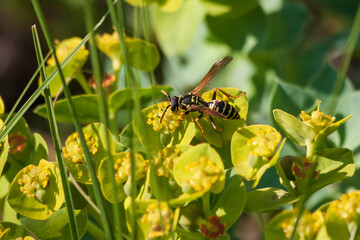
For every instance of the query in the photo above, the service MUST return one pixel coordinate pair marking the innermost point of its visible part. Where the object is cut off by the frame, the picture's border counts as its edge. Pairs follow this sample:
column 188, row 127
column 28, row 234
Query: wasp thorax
column 174, row 104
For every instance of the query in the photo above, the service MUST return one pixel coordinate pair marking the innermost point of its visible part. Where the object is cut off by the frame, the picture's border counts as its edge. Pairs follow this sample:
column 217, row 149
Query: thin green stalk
column 284, row 179
column 85, row 196
column 145, row 17
column 353, row 232
column 89, row 163
column 46, row 82
column 206, row 204
column 345, row 61
column 57, row 142
column 103, row 107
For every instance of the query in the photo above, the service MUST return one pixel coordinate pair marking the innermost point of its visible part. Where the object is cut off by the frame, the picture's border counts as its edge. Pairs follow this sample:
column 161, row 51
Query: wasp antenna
column 166, row 94
column 162, row 116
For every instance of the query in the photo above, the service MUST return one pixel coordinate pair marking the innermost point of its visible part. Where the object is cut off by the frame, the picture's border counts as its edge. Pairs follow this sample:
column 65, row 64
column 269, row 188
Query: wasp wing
column 208, row 111
column 214, row 70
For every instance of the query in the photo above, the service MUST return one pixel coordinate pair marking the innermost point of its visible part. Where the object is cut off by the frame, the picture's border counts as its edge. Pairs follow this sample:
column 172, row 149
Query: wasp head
column 174, row 104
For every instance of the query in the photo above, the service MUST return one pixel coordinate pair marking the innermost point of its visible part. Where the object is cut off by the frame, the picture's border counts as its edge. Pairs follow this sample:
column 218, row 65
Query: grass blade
column 56, row 140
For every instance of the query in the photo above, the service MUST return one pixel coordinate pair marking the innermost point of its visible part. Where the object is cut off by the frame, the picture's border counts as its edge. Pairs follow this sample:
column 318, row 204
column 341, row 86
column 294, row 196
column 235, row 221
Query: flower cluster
column 308, row 226
column 348, row 207
column 205, row 174
column 159, row 217
column 170, row 121
column 34, row 178
column 123, row 167
column 164, row 162
column 212, row 228
column 73, row 149
column 265, row 142
column 64, row 48
column 17, row 142
column 317, row 119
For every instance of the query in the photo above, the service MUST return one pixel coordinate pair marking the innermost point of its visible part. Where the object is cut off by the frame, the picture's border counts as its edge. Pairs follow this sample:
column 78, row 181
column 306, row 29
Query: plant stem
column 284, row 179
column 345, row 61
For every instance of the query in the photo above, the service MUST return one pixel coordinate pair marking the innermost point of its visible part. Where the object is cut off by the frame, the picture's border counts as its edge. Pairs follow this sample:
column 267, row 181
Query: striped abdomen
column 224, row 108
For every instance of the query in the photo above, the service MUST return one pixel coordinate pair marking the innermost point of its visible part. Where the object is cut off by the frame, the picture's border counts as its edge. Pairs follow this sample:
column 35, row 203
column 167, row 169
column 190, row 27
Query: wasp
column 192, row 101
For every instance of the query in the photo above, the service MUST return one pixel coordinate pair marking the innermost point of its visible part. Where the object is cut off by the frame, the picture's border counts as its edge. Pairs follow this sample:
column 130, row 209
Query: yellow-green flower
column 159, row 217
column 317, row 120
column 170, row 121
column 73, row 150
column 348, row 207
column 123, row 167
column 64, row 48
column 206, row 173
column 34, row 178
column 164, row 162
column 308, row 226
column 109, row 44
column 265, row 142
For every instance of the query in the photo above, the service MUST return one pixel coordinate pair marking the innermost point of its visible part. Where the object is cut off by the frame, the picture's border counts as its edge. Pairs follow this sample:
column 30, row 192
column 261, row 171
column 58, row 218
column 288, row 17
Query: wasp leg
column 218, row 129
column 202, row 128
column 225, row 93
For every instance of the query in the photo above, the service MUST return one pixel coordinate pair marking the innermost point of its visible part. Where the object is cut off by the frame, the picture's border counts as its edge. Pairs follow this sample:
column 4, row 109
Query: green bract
column 251, row 161
column 9, row 230
column 38, row 200
column 122, row 174
column 95, row 136
column 200, row 169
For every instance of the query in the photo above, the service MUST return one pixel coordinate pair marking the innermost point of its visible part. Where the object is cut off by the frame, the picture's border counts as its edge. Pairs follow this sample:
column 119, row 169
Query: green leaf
column 235, row 31
column 333, row 164
column 139, row 3
column 267, row 199
column 330, row 129
column 350, row 134
column 193, row 156
column 21, row 142
column 290, row 98
column 175, row 31
column 223, row 203
column 129, row 139
column 9, row 230
column 142, row 55
column 294, row 128
column 57, row 226
column 229, row 8
column 123, row 98
column 86, row 107
column 40, row 148
column 97, row 132
column 30, row 206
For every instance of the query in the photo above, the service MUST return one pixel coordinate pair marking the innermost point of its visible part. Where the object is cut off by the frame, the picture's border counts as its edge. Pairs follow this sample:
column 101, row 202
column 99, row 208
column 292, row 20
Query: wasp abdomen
column 224, row 108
